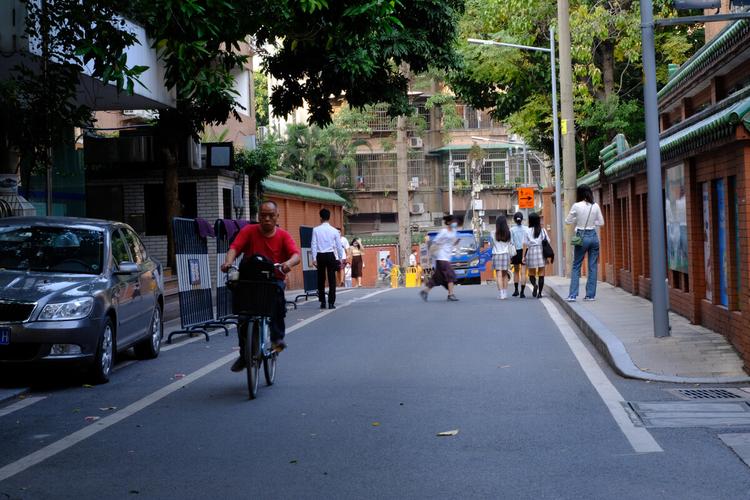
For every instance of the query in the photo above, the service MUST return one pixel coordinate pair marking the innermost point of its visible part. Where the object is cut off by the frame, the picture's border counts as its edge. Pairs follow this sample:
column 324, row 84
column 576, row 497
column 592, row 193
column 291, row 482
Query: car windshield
column 467, row 245
column 51, row 249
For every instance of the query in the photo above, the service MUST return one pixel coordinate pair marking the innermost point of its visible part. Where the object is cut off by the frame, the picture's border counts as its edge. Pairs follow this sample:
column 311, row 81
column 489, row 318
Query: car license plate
column 460, row 272
column 4, row 335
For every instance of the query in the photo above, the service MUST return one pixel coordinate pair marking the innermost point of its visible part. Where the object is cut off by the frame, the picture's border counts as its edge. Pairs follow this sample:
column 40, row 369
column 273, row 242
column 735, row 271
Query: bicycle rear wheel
column 252, row 349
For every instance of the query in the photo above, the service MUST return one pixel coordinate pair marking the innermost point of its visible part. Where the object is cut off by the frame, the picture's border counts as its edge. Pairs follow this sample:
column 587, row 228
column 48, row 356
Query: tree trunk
column 605, row 60
column 171, row 200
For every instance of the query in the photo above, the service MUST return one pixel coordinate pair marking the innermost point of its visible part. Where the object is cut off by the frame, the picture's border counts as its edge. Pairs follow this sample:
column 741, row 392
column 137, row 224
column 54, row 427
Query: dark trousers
column 327, row 267
column 278, row 324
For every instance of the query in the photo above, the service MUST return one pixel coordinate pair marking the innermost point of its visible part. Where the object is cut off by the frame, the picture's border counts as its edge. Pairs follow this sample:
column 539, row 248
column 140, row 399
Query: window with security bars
column 495, row 170
column 379, row 121
column 501, row 168
column 377, row 172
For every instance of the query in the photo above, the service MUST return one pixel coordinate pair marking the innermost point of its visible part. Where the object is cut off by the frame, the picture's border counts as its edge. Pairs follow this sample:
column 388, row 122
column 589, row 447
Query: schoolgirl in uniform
column 534, row 258
column 503, row 250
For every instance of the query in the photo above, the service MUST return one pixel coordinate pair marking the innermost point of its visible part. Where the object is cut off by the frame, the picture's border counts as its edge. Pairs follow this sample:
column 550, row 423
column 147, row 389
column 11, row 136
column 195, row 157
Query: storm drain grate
column 710, row 394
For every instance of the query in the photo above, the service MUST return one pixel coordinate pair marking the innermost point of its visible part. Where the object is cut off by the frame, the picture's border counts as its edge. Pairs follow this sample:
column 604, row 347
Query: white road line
column 63, row 444
column 640, row 439
column 23, row 403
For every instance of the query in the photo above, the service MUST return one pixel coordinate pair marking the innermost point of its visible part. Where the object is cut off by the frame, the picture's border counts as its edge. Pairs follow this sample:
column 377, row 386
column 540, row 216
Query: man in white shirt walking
column 326, row 249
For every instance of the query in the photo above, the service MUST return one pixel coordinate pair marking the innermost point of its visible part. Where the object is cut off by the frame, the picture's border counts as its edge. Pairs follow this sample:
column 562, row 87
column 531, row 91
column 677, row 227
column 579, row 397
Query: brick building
column 705, row 152
column 299, row 205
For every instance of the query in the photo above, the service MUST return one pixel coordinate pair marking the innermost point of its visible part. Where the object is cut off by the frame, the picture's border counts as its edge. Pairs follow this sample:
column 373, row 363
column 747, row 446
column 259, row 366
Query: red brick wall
column 626, row 263
column 295, row 212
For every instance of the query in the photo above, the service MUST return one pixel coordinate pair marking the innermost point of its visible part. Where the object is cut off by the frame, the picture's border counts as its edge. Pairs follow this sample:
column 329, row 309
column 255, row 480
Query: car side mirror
column 127, row 268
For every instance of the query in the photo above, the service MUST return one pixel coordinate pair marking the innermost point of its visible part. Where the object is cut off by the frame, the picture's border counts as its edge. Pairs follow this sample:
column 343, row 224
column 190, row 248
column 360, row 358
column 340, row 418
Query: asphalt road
column 360, row 398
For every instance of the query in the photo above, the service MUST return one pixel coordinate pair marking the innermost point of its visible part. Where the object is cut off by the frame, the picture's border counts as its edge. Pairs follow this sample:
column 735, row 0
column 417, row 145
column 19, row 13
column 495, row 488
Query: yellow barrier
column 413, row 277
column 395, row 274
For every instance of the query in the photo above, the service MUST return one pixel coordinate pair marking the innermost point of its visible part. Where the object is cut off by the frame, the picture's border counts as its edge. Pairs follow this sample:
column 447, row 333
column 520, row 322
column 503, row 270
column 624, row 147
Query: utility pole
column 402, row 184
column 653, row 176
column 567, row 126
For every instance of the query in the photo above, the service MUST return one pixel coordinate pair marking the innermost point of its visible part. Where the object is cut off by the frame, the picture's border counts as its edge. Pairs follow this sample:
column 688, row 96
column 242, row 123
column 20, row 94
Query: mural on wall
column 676, row 218
column 722, row 242
column 707, row 242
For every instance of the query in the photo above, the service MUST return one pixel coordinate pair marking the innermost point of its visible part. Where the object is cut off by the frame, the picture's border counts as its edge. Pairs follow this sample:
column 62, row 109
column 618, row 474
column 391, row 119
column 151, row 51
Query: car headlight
column 74, row 309
column 474, row 262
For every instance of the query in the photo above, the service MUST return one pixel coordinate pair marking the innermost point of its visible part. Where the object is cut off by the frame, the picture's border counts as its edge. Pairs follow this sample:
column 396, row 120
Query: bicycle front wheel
column 269, row 363
column 252, row 361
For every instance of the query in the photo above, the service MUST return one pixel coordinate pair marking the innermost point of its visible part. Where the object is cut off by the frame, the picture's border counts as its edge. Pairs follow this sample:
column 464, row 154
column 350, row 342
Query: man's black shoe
column 238, row 365
column 331, row 306
column 322, row 305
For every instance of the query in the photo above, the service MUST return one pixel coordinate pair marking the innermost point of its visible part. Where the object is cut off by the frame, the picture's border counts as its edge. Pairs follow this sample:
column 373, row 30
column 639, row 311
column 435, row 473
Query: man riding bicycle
column 275, row 244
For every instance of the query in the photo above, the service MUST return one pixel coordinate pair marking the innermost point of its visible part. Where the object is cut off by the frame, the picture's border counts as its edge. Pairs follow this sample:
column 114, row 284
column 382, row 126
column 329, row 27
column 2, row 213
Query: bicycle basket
column 254, row 298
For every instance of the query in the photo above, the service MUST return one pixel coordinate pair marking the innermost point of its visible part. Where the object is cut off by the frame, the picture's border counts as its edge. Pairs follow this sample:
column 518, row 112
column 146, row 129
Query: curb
column 615, row 353
column 8, row 394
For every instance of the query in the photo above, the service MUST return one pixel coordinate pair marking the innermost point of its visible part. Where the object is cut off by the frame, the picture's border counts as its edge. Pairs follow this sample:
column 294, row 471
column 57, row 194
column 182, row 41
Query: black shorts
column 517, row 258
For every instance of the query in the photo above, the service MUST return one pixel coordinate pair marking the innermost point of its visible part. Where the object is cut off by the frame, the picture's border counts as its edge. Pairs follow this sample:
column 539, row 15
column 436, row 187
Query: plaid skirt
column 534, row 257
column 500, row 261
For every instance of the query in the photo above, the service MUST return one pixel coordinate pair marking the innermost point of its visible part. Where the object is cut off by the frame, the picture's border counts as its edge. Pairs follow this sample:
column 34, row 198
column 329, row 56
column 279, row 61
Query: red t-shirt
column 278, row 248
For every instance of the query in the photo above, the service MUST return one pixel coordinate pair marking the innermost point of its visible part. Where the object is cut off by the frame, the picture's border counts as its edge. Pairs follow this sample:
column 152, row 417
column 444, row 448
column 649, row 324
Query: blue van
column 468, row 257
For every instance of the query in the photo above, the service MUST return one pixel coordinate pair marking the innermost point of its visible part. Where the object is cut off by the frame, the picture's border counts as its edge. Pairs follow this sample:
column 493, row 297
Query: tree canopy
column 607, row 69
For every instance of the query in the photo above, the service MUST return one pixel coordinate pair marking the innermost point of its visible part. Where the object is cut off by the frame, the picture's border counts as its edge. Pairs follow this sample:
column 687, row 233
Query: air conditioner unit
column 417, row 208
column 415, row 142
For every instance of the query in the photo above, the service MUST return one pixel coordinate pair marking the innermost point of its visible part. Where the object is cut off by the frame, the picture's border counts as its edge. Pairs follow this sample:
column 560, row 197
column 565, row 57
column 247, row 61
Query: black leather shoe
column 322, row 305
column 331, row 306
column 238, row 365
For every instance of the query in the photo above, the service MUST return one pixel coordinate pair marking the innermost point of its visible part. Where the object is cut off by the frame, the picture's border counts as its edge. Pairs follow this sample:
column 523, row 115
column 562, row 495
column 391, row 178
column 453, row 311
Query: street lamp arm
column 477, row 41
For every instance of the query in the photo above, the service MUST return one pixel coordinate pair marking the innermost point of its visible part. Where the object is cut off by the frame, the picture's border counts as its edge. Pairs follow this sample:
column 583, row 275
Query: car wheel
column 149, row 347
column 105, row 355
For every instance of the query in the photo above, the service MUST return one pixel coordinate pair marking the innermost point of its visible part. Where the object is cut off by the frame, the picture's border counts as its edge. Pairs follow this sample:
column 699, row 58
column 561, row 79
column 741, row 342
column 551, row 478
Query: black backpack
column 256, row 268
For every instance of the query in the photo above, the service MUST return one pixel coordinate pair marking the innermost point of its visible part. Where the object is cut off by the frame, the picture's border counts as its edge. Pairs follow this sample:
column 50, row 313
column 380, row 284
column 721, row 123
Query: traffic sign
column 525, row 197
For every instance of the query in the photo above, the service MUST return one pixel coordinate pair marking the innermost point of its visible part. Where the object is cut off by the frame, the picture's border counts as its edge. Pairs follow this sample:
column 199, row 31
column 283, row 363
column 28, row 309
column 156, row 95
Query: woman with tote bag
column 587, row 216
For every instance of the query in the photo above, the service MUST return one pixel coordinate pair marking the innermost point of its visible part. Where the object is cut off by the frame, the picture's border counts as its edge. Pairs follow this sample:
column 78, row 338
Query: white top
column 412, row 260
column 579, row 212
column 325, row 238
column 518, row 235
column 445, row 241
column 501, row 247
column 345, row 246
column 533, row 242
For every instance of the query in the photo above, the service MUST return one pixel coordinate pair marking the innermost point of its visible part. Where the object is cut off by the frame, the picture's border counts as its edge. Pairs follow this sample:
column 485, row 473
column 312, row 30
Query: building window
column 155, row 206
column 105, row 202
column 226, row 195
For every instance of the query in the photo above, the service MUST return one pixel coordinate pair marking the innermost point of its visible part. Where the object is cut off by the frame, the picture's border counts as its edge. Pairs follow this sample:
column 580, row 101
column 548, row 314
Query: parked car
column 77, row 290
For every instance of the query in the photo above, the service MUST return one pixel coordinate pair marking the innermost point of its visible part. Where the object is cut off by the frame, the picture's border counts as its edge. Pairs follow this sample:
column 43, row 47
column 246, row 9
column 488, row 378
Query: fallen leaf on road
column 108, row 408
column 76, row 410
column 179, row 375
column 401, row 404
column 376, row 424
column 505, row 366
column 448, row 433
column 87, row 386
column 292, row 461
column 91, row 419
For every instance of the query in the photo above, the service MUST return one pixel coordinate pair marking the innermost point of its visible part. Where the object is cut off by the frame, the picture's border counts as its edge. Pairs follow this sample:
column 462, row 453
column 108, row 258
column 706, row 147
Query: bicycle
column 254, row 301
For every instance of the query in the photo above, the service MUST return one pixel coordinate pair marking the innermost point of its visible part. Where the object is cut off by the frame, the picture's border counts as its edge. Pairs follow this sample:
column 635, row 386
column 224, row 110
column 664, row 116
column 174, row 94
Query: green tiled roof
column 589, row 179
column 279, row 185
column 704, row 128
column 707, row 54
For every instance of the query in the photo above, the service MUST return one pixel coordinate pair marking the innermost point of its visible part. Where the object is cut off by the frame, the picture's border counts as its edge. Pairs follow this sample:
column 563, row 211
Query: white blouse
column 502, row 247
column 579, row 212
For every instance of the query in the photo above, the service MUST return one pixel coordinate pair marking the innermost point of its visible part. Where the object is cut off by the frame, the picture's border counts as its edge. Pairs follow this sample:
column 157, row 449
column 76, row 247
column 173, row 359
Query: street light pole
column 657, row 247
column 555, row 134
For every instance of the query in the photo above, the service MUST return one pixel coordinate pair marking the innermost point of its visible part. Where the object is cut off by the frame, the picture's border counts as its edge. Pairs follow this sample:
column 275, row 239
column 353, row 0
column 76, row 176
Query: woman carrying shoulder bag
column 587, row 216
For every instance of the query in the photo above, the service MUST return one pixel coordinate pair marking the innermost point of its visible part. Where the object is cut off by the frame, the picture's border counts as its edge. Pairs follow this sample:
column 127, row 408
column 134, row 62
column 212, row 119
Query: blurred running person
column 518, row 236
column 443, row 274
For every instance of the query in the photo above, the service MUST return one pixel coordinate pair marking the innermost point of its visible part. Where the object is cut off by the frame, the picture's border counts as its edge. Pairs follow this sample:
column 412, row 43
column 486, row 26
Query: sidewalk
column 620, row 325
